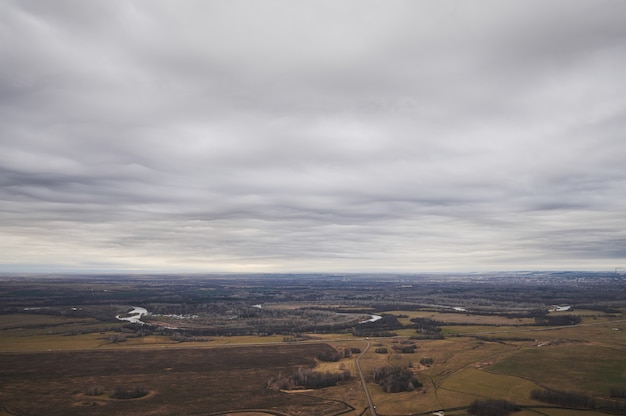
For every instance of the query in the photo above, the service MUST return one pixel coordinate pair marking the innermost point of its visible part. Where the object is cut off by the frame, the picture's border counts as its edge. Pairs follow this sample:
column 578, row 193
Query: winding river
column 134, row 316
column 373, row 318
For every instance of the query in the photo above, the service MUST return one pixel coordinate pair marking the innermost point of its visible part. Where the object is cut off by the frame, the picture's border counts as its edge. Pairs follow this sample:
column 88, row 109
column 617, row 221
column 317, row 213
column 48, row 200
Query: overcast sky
column 305, row 136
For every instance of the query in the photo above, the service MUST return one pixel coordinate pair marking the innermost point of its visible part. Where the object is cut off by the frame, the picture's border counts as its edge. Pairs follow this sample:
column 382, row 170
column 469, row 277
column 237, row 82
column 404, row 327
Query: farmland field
column 212, row 345
column 193, row 381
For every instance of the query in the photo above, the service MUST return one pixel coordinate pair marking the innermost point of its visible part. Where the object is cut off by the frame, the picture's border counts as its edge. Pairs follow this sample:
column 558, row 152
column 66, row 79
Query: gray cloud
column 271, row 136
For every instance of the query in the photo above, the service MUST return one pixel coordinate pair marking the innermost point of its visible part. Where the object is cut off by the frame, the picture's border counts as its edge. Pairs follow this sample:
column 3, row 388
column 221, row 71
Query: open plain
column 259, row 345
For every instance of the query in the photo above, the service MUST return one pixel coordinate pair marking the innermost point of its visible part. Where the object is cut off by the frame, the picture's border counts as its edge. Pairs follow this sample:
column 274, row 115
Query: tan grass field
column 577, row 367
column 582, row 358
column 482, row 384
column 50, row 342
column 456, row 363
column 22, row 320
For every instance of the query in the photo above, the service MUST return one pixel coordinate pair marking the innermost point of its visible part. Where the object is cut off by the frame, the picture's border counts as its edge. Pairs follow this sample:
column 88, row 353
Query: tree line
column 405, row 347
column 490, row 407
column 576, row 400
column 569, row 399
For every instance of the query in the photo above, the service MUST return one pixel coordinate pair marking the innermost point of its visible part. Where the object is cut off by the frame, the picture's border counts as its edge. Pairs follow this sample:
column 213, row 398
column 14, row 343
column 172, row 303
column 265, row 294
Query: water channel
column 135, row 315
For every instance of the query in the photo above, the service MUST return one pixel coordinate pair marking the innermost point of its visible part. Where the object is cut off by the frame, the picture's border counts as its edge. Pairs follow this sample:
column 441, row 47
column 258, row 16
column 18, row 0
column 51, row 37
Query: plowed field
column 178, row 381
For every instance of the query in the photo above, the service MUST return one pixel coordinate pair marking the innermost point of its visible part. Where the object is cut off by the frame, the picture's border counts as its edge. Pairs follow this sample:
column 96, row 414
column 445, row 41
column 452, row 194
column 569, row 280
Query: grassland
column 506, row 362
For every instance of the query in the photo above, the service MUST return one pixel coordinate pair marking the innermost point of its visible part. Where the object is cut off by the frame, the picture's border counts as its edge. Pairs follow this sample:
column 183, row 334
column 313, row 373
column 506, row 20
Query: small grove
column 393, row 379
column 305, row 378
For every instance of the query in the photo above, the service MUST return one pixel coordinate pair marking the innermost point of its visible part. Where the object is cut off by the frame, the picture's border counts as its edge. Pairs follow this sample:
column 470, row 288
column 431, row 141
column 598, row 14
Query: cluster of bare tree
column 427, row 361
column 394, row 379
column 308, row 379
column 94, row 391
column 330, row 356
column 404, row 346
column 126, row 393
column 181, row 337
column 427, row 328
column 618, row 392
column 336, row 355
column 348, row 352
column 130, row 331
column 116, row 338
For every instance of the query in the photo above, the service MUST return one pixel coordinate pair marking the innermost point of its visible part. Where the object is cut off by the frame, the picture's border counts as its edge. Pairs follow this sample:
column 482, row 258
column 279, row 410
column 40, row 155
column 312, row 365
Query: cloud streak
column 270, row 136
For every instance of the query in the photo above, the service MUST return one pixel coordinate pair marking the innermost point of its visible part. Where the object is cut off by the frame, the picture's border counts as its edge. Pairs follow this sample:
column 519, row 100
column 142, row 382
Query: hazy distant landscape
column 529, row 342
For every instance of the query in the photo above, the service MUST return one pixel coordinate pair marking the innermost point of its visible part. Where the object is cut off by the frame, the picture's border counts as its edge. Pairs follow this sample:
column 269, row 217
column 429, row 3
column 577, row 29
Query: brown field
column 180, row 381
column 212, row 377
column 54, row 352
column 23, row 321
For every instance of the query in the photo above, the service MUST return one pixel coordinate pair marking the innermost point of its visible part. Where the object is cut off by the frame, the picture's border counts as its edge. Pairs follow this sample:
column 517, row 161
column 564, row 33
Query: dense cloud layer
column 318, row 136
